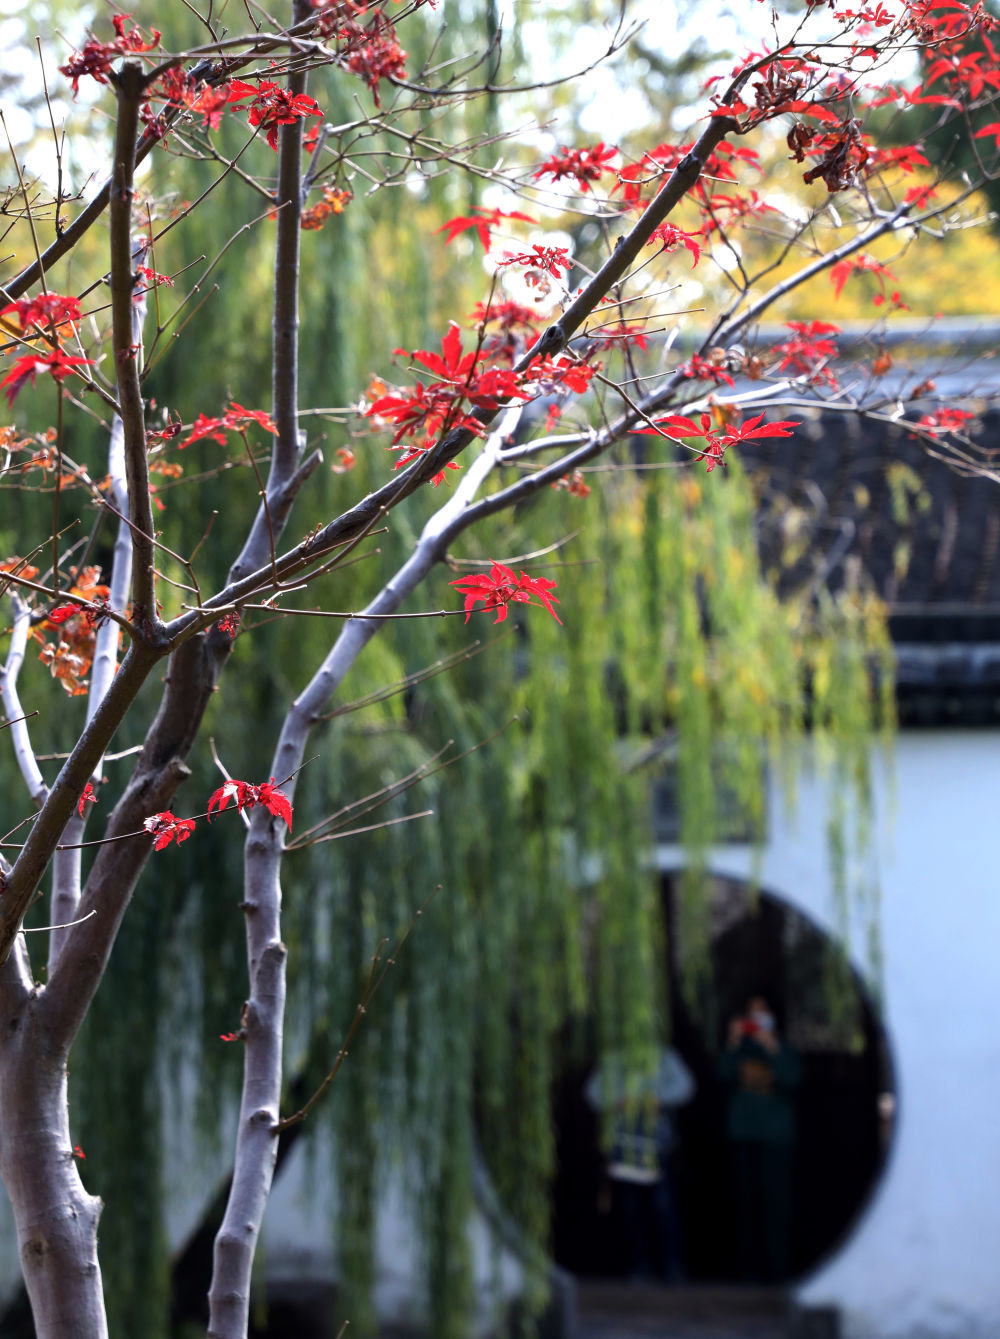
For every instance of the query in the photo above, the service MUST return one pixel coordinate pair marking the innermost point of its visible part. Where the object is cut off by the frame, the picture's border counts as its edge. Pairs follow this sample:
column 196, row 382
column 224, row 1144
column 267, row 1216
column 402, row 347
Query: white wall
column 298, row 1245
column 924, row 1259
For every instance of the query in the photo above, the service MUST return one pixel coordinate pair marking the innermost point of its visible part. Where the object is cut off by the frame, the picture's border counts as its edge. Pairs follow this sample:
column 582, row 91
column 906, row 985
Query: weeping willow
column 547, row 920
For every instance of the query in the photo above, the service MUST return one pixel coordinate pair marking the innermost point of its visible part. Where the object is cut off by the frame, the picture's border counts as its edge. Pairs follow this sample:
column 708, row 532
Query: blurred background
column 696, row 1039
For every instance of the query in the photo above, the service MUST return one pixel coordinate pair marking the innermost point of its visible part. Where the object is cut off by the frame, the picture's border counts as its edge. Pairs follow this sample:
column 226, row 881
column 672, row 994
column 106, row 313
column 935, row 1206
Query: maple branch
column 192, row 673
column 263, row 1021
column 108, row 635
column 372, row 984
column 67, row 789
column 209, row 72
column 130, row 85
column 264, row 1011
column 287, row 471
column 18, row 722
column 67, row 866
column 67, row 858
column 121, row 857
column 441, row 666
column 553, row 340
column 308, row 707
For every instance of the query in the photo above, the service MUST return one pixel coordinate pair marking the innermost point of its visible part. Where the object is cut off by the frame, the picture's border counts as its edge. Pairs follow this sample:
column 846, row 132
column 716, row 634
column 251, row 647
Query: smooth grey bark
column 67, row 860
column 56, row 1217
column 262, row 1028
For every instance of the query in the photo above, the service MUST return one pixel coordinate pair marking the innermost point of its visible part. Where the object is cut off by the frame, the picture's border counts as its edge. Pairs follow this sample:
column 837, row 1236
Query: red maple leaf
column 504, row 344
column 716, row 443
column 945, row 420
column 671, row 236
column 698, row 368
column 273, row 106
column 88, row 797
column 95, row 57
column 233, row 420
column 166, row 827
column 44, row 310
column 424, row 409
column 374, row 52
column 992, row 129
column 966, row 72
column 55, row 362
column 920, row 196
column 430, row 408
column 684, row 427
column 488, row 218
column 492, row 387
column 585, row 165
column 907, row 157
column 858, row 264
column 807, row 350
column 209, row 103
column 739, row 208
column 230, row 624
column 148, row 279
column 275, row 801
column 508, row 314
column 755, row 428
column 450, row 365
column 235, row 416
column 912, row 97
column 501, row 588
column 545, row 375
column 549, row 258
column 204, row 427
column 248, row 796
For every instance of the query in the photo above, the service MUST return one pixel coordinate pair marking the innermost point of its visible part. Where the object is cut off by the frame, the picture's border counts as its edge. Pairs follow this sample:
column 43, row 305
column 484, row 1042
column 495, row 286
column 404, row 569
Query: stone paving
column 624, row 1311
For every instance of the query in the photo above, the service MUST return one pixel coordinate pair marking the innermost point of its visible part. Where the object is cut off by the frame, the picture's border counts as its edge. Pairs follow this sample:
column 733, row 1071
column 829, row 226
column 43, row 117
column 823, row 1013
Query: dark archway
column 759, row 944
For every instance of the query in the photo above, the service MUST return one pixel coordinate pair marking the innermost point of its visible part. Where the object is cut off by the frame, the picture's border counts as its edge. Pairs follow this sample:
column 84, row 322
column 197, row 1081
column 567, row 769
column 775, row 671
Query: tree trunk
column 56, row 1218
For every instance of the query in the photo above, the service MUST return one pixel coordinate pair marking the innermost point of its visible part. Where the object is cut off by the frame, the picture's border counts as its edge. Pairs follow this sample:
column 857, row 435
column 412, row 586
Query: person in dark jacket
column 762, row 1073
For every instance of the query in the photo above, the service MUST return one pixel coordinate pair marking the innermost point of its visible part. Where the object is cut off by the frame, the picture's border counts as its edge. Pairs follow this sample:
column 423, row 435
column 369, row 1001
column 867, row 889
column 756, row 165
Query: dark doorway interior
column 759, row 945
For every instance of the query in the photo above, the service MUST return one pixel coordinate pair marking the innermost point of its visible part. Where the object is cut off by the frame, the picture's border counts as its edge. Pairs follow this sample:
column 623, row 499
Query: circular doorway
column 760, row 945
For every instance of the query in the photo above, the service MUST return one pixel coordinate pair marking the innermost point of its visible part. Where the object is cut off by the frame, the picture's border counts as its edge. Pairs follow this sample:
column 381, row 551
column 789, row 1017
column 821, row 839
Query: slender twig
column 65, row 925
column 227, row 775
column 375, row 979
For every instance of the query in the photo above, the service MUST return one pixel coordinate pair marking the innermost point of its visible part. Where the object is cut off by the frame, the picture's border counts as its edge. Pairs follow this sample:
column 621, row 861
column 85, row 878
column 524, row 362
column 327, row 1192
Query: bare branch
column 129, row 84
column 23, row 751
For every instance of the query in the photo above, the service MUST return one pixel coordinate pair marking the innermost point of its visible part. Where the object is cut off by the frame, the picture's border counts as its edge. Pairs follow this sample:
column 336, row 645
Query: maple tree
column 550, row 330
